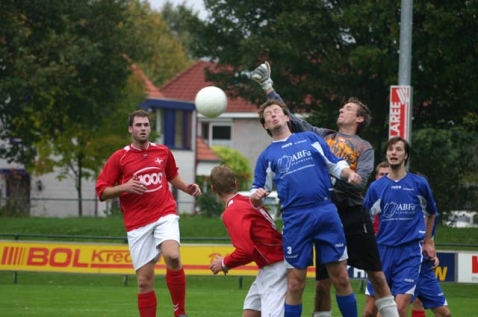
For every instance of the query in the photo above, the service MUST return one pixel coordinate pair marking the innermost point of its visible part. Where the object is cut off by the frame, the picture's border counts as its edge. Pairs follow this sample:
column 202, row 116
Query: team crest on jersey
column 158, row 160
column 286, row 161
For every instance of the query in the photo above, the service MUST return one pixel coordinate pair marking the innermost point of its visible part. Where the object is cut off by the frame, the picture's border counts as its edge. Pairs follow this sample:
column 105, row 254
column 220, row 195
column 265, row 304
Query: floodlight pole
column 405, row 56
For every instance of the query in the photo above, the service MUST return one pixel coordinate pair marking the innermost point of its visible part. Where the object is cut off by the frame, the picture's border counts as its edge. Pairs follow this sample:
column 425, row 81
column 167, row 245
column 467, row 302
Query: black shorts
column 361, row 243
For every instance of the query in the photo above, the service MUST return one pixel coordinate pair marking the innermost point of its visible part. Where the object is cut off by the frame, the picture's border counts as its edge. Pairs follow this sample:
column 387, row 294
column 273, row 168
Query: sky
column 196, row 5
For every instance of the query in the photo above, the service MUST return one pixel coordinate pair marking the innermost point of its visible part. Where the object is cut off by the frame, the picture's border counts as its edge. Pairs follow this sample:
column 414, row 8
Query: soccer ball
column 211, row 101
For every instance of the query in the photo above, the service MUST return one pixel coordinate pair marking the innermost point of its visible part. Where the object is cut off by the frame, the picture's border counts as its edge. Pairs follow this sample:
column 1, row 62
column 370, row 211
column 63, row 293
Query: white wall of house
column 60, row 198
column 249, row 138
column 247, row 135
column 50, row 197
column 186, row 162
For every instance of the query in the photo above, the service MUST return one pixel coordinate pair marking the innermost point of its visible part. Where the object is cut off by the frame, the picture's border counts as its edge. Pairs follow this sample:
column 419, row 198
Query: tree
column 322, row 52
column 63, row 65
column 179, row 18
column 208, row 202
column 439, row 147
column 166, row 50
column 66, row 84
column 237, row 162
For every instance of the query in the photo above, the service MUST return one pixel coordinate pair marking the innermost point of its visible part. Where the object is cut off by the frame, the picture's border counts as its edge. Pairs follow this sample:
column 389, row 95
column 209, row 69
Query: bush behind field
column 192, row 226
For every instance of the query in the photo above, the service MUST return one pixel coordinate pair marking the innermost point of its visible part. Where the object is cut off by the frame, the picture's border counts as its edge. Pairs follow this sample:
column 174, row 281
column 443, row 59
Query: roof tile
column 203, row 152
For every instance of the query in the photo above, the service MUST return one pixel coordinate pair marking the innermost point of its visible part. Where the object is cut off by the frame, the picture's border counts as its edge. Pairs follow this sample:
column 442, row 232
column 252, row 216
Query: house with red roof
column 238, row 127
column 190, row 135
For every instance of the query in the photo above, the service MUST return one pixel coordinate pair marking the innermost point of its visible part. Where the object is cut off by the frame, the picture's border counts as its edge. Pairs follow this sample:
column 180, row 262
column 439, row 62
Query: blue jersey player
column 300, row 165
column 407, row 211
column 429, row 294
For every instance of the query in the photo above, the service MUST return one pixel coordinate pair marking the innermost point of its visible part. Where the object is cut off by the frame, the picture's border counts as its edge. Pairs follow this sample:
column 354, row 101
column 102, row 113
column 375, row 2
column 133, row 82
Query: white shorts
column 143, row 242
column 267, row 292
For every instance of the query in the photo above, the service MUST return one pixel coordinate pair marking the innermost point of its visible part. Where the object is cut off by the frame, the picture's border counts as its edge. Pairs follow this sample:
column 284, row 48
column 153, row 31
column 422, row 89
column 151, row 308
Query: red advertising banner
column 400, row 107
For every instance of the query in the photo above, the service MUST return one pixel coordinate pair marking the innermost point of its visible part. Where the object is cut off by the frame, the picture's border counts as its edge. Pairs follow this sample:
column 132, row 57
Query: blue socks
column 293, row 310
column 347, row 305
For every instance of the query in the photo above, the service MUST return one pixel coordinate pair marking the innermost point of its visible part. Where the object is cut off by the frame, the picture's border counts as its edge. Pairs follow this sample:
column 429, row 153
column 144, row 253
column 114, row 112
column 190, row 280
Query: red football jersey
column 154, row 167
column 253, row 234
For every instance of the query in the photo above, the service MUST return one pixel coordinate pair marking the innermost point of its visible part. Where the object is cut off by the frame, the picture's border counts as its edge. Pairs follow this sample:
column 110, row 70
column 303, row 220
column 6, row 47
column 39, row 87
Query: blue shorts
column 401, row 266
column 308, row 227
column 428, row 288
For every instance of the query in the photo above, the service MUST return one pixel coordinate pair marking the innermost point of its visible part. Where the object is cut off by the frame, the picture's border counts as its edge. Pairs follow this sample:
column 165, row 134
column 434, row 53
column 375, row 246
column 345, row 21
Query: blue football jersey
column 401, row 207
column 300, row 166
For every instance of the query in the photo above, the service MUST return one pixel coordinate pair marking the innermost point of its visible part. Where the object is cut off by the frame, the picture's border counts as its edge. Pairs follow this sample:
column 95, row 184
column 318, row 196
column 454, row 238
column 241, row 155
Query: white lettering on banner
column 356, row 273
column 395, row 118
column 400, row 103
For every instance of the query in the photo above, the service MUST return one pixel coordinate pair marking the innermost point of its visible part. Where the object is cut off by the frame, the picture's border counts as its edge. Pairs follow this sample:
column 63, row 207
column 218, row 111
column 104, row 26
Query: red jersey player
column 139, row 174
column 256, row 239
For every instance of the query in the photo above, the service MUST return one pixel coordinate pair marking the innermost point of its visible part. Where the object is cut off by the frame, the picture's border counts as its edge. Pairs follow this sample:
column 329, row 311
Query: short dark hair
column 381, row 165
column 363, row 111
column 406, row 145
column 223, row 180
column 271, row 102
column 137, row 113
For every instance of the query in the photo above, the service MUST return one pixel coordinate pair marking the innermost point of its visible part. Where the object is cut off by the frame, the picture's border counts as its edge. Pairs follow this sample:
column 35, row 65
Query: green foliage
column 65, row 72
column 166, row 54
column 446, row 157
column 13, row 209
column 66, row 86
column 323, row 52
column 238, row 163
column 178, row 19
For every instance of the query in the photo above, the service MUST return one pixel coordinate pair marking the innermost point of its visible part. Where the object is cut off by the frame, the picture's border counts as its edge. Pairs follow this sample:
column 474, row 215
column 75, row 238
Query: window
column 216, row 133
column 176, row 128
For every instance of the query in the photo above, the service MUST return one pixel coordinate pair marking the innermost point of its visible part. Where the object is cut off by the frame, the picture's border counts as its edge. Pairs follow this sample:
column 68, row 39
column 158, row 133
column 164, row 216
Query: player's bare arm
column 191, row 189
column 133, row 186
column 217, row 266
column 258, row 195
column 350, row 176
column 428, row 245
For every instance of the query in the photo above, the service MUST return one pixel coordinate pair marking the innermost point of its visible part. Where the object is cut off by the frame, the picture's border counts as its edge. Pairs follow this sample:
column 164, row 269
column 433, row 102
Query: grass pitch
column 75, row 295
column 80, row 295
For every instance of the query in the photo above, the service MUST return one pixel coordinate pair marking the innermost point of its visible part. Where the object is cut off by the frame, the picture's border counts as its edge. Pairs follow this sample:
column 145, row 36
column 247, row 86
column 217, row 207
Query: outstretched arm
column 262, row 75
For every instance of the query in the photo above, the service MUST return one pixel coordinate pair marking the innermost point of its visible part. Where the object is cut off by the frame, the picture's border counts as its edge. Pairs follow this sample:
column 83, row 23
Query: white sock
column 387, row 306
column 322, row 314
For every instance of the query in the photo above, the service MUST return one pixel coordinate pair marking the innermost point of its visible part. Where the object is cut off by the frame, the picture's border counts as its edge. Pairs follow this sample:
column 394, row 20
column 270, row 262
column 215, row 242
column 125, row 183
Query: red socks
column 418, row 313
column 147, row 304
column 176, row 281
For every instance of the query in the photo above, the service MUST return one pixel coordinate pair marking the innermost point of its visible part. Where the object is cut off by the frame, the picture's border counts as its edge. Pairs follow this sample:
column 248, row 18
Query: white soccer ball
column 211, row 101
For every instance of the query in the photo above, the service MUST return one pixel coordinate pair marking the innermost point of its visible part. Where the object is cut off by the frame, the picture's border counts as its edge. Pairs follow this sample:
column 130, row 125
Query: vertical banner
column 400, row 112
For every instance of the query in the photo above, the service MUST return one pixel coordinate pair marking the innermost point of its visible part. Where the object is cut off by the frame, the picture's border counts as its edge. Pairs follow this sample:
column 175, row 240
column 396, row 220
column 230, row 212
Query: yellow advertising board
column 104, row 258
